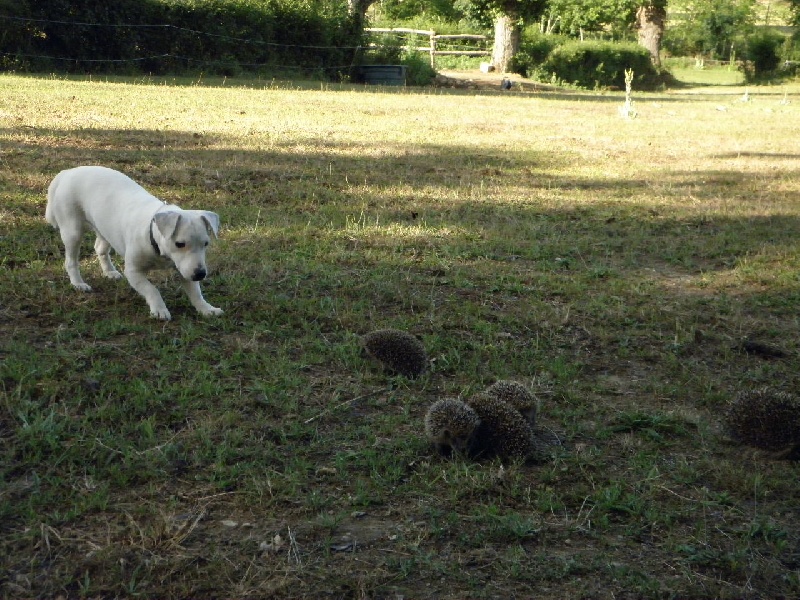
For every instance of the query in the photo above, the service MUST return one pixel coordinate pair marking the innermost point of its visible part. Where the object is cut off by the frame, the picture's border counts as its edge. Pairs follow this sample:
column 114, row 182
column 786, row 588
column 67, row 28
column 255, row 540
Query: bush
column 419, row 70
column 391, row 52
column 601, row 64
column 764, row 51
column 535, row 47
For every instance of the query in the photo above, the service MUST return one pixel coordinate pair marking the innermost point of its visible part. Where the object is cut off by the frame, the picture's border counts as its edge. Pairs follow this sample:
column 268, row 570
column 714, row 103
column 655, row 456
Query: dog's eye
column 206, row 244
column 180, row 244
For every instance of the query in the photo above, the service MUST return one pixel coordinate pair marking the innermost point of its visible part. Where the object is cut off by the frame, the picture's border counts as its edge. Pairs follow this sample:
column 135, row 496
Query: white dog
column 141, row 228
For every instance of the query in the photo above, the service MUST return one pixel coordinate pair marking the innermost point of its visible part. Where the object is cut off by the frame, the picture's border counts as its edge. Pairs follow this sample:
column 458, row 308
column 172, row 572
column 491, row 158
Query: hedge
column 594, row 64
column 175, row 35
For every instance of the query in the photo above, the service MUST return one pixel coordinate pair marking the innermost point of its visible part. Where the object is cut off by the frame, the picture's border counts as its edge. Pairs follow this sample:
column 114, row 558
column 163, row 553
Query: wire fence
column 80, row 28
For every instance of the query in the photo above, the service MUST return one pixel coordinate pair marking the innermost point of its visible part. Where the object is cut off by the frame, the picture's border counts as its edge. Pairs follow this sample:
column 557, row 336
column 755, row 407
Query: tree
column 711, row 27
column 507, row 35
column 794, row 6
column 578, row 16
column 409, row 9
column 648, row 17
column 507, row 17
column 358, row 9
column 651, row 19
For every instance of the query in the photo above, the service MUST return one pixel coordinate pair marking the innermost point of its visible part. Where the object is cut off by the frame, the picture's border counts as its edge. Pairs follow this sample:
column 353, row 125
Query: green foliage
column 419, row 71
column 601, row 64
column 409, row 9
column 709, row 27
column 791, row 48
column 763, row 50
column 575, row 16
column 483, row 12
column 391, row 51
column 159, row 36
column 535, row 47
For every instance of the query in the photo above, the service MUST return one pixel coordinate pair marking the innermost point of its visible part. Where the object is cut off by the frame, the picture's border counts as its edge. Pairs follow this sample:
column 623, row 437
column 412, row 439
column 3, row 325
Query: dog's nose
column 199, row 274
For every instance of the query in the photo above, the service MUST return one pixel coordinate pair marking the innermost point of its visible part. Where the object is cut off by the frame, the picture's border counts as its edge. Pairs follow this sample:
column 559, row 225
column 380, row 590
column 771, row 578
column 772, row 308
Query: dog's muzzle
column 199, row 274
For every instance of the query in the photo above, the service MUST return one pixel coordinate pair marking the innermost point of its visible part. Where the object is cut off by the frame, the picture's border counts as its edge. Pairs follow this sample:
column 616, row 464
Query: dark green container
column 382, row 74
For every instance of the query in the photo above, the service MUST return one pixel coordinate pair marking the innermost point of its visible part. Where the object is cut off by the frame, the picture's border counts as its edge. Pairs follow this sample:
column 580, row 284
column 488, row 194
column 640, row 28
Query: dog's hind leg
column 72, row 246
column 103, row 250
column 192, row 289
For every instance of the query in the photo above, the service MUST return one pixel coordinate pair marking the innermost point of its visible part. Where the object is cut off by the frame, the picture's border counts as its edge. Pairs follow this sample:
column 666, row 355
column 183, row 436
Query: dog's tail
column 51, row 193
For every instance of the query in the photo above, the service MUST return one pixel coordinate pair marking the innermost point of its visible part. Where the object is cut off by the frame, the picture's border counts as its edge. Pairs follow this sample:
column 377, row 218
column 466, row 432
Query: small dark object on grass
column 517, row 395
column 503, row 431
column 505, row 84
column 762, row 349
column 399, row 351
column 766, row 419
column 450, row 425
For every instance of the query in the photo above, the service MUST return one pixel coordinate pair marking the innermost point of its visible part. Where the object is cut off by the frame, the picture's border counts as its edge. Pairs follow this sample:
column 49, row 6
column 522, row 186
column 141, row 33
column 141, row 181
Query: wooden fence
column 433, row 46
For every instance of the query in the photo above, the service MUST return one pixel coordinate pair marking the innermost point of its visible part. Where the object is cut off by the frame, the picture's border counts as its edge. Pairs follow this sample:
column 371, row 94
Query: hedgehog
column 399, row 351
column 503, row 431
column 518, row 396
column 450, row 424
column 767, row 419
column 544, row 443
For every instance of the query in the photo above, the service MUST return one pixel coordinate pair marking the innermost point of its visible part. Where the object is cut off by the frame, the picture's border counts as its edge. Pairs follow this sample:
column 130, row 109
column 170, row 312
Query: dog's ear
column 167, row 222
column 212, row 221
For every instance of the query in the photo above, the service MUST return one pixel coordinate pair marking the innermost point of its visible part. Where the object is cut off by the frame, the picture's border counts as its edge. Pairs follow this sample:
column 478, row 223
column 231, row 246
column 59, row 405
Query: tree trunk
column 358, row 7
column 358, row 10
column 650, row 22
column 506, row 41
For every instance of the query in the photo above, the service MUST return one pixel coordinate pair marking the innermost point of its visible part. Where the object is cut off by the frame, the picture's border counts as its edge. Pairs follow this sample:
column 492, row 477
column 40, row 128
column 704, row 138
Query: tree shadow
column 445, row 182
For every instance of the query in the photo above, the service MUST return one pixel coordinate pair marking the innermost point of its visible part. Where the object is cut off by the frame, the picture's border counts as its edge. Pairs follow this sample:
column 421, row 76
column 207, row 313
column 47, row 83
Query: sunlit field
column 615, row 266
column 709, row 76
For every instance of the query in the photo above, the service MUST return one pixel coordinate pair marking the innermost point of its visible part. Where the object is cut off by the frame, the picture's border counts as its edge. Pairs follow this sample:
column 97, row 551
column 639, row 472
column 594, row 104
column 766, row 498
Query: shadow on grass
column 441, row 184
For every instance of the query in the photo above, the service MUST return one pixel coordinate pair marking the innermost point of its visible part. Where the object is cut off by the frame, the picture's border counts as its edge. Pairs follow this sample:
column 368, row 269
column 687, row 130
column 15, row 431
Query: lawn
column 719, row 76
column 615, row 266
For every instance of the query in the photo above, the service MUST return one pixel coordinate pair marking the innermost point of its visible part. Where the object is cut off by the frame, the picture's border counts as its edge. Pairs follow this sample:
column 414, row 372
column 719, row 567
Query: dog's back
column 95, row 194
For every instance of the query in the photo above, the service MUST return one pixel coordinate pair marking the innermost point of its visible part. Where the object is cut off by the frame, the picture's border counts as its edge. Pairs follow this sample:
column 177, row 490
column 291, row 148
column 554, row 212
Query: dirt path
column 477, row 80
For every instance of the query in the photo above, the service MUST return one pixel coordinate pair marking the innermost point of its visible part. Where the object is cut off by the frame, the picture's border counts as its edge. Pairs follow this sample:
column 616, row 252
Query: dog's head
column 184, row 236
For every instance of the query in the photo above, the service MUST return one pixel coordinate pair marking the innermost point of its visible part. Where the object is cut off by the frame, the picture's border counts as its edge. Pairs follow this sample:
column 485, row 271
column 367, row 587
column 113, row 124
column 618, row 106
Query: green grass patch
column 724, row 75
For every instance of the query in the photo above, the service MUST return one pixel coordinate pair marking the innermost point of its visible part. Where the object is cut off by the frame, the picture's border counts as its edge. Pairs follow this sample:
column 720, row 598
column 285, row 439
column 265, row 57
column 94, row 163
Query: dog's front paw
column 82, row 287
column 113, row 274
column 211, row 311
column 161, row 313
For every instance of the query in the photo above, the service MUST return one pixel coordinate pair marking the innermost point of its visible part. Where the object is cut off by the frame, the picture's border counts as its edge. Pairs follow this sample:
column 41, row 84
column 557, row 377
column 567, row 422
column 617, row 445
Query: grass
column 726, row 75
column 613, row 265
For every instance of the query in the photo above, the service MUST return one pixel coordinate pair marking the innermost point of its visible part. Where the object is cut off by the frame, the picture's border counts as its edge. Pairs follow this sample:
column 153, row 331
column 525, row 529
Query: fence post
column 433, row 50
